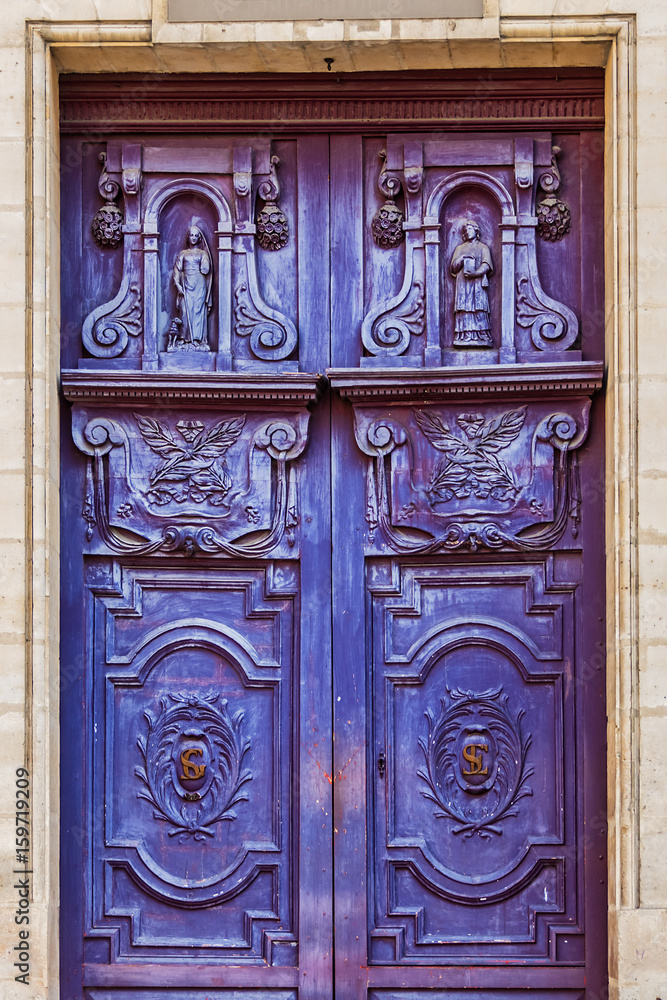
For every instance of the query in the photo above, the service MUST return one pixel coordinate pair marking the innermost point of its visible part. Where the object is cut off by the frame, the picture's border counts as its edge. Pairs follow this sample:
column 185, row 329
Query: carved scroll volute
column 553, row 325
column 388, row 328
column 107, row 329
column 271, row 335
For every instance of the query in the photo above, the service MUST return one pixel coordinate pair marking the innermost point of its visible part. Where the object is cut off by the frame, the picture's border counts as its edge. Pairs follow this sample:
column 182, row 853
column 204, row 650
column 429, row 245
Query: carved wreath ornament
column 192, row 769
column 475, row 755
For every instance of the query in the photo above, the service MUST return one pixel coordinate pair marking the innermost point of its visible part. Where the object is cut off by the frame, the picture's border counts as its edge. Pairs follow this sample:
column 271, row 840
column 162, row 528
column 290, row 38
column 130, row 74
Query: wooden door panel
column 474, row 812
column 193, row 762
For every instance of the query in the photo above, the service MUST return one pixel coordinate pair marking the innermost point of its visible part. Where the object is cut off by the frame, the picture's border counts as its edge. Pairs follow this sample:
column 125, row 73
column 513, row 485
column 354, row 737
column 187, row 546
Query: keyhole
column 382, row 764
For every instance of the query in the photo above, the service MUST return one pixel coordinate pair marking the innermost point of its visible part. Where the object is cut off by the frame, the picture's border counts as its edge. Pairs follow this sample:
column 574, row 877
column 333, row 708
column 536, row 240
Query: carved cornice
column 573, row 378
column 221, row 103
column 195, row 389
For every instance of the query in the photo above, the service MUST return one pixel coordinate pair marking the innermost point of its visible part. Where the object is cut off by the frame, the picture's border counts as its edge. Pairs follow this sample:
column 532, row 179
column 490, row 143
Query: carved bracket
column 107, row 328
column 387, row 329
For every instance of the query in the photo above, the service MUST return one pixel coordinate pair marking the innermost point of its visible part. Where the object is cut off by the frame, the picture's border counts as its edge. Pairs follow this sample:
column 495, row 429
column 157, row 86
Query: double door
column 333, row 697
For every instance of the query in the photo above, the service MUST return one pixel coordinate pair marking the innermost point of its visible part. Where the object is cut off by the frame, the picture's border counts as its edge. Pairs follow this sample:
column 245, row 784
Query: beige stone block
column 12, row 105
column 650, row 170
column 278, row 58
column 642, row 945
column 274, row 31
column 12, row 588
column 653, row 677
column 229, row 33
column 358, row 31
column 652, row 451
column 236, row 58
column 652, row 568
column 90, row 58
column 12, row 506
column 12, row 340
column 652, row 504
column 12, row 403
column 12, row 164
column 318, row 31
column 653, row 864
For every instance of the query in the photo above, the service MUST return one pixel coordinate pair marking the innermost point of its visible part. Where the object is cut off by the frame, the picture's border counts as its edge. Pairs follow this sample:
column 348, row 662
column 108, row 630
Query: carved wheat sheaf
column 477, row 800
column 192, row 769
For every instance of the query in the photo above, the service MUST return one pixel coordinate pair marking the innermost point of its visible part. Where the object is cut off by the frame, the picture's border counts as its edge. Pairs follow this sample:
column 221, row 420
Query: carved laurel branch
column 225, row 790
column 439, row 749
column 383, row 436
column 280, row 439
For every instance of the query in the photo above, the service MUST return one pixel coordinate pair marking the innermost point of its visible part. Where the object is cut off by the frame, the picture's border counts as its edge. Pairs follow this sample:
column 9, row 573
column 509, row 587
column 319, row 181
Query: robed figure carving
column 193, row 277
column 472, row 266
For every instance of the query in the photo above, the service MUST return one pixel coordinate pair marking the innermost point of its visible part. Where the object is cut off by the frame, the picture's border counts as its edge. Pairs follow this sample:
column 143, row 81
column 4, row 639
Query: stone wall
column 41, row 38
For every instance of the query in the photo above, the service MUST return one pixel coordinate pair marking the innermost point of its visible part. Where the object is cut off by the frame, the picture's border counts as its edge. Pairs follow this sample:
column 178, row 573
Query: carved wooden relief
column 332, row 664
column 451, row 476
column 195, row 481
column 473, row 710
column 194, row 763
column 190, row 294
column 469, row 267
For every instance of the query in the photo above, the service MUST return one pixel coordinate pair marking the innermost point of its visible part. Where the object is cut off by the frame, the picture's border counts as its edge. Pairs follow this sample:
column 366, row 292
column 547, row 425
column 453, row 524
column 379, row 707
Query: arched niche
column 171, row 208
column 475, row 203
column 483, row 198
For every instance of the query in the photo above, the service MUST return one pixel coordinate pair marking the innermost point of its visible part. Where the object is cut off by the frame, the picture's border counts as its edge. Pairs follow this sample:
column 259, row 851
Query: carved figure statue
column 193, row 275
column 472, row 266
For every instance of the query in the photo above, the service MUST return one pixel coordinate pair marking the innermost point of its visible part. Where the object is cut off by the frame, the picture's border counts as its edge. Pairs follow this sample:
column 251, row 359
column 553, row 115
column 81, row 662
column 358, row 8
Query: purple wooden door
column 333, row 698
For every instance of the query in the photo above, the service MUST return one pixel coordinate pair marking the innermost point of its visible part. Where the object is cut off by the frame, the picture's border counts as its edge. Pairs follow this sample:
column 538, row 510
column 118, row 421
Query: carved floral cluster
column 554, row 219
column 387, row 226
column 107, row 226
column 272, row 227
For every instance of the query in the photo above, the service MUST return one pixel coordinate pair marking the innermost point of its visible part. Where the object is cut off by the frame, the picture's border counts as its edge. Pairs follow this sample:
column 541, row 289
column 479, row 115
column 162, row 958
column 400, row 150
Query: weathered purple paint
column 332, row 661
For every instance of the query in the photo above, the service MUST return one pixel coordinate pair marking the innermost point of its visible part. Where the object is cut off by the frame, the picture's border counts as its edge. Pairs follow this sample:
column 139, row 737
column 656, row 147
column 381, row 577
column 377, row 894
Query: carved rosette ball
column 553, row 219
column 387, row 226
column 107, row 226
column 272, row 227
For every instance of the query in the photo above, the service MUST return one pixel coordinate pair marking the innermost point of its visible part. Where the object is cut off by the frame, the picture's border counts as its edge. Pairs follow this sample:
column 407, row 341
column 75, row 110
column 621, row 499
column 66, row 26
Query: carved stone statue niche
column 472, row 266
column 193, row 277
